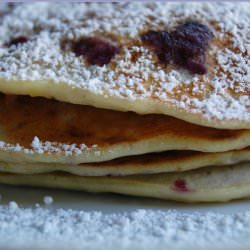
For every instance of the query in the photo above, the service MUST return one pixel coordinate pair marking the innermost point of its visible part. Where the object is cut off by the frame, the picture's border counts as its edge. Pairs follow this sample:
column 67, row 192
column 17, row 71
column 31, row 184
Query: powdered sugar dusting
column 138, row 229
column 39, row 147
column 48, row 200
column 223, row 94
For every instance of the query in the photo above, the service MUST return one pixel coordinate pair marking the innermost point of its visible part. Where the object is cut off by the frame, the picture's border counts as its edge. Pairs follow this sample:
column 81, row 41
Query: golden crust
column 42, row 130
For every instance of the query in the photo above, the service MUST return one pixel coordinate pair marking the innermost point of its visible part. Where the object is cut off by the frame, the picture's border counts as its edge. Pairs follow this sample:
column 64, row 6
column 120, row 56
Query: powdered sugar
column 54, row 147
column 48, row 200
column 138, row 229
column 13, row 205
column 39, row 147
column 223, row 94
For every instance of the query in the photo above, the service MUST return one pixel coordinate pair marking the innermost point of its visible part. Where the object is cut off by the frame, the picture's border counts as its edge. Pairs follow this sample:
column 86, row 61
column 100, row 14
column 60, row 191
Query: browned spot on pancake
column 74, row 133
column 135, row 55
column 224, row 134
column 23, row 117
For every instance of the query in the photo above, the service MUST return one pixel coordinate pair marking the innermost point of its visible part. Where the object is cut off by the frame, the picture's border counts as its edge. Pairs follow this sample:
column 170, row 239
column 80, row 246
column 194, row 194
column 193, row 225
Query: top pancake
column 134, row 80
column 42, row 130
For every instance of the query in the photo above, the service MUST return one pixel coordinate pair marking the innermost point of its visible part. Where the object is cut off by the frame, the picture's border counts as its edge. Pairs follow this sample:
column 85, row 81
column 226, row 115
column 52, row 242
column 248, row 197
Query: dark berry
column 96, row 50
column 196, row 64
column 18, row 40
column 193, row 32
column 158, row 39
column 185, row 46
column 162, row 43
column 192, row 38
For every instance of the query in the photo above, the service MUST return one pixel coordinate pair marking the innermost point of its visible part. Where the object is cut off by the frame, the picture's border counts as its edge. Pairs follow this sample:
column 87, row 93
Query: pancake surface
column 42, row 130
column 203, row 185
column 168, row 161
column 133, row 80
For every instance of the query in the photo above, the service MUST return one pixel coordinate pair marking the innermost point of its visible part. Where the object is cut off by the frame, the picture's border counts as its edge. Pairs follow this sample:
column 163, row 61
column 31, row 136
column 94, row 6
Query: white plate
column 112, row 204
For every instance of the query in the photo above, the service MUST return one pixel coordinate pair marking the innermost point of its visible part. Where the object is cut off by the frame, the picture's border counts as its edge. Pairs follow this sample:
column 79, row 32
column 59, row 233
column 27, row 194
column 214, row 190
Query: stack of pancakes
column 132, row 126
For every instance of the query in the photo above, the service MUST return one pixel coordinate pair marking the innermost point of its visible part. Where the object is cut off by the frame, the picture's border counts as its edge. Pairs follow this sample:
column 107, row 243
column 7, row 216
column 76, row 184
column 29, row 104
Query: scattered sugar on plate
column 48, row 200
column 138, row 229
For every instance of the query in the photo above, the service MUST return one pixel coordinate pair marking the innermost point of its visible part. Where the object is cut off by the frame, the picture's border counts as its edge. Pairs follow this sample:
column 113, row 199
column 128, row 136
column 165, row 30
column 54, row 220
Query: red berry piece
column 180, row 186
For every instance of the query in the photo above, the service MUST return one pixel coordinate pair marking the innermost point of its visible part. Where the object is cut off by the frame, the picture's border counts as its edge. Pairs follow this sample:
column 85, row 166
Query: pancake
column 42, row 130
column 168, row 161
column 211, row 184
column 133, row 80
